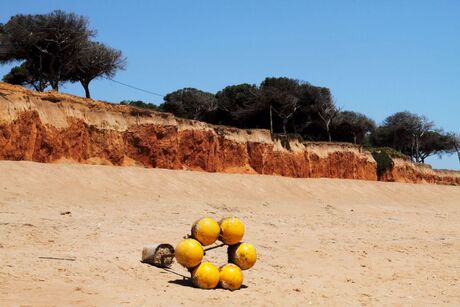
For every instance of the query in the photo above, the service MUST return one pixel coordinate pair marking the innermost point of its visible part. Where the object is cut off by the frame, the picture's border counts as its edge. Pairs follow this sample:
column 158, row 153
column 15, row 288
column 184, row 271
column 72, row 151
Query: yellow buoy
column 231, row 277
column 205, row 276
column 189, row 253
column 206, row 231
column 231, row 230
column 243, row 255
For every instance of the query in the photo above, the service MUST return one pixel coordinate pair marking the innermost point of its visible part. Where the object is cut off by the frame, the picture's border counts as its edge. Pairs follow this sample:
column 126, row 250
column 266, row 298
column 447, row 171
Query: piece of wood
column 160, row 255
column 58, row 258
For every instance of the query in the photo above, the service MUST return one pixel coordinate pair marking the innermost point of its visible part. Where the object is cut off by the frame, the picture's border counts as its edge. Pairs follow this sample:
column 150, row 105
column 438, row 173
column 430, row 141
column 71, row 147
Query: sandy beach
column 320, row 241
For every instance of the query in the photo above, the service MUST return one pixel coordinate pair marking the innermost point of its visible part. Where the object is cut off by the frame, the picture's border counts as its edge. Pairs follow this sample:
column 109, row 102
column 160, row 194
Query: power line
column 124, row 84
column 134, row 87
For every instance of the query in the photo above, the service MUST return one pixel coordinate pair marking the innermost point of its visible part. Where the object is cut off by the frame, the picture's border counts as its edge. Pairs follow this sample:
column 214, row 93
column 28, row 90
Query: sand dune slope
column 320, row 241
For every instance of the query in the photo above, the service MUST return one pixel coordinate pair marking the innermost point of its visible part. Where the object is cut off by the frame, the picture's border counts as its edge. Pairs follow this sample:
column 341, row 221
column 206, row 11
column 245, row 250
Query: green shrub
column 384, row 158
column 140, row 104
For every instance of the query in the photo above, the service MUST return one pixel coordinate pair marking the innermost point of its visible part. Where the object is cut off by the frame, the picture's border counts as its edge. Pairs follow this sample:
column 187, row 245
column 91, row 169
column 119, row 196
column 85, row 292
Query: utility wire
column 134, row 87
column 108, row 78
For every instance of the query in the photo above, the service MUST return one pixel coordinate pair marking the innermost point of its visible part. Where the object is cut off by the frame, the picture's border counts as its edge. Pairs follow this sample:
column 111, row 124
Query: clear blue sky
column 377, row 57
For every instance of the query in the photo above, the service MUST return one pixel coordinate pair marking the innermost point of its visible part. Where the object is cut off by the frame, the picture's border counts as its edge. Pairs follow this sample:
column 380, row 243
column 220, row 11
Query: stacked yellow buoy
column 230, row 277
column 243, row 255
column 189, row 253
column 231, row 230
column 206, row 231
column 205, row 275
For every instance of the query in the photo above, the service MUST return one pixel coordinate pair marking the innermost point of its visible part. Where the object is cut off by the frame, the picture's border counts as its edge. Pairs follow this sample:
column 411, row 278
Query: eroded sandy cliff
column 53, row 127
column 406, row 171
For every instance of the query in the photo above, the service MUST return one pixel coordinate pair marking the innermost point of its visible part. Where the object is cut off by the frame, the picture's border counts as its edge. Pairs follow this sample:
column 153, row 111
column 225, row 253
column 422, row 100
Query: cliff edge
column 55, row 127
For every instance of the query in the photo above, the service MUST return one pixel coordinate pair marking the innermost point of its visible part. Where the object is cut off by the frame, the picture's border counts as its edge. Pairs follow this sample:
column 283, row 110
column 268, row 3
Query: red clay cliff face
column 406, row 171
column 52, row 127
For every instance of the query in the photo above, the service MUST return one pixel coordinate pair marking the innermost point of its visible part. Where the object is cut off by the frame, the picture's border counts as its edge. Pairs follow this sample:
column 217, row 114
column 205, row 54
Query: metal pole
column 213, row 247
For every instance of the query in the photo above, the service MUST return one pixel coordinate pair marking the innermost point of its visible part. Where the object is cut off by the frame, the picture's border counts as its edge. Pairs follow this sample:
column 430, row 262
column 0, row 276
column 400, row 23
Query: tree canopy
column 23, row 75
column 55, row 48
column 238, row 105
column 95, row 60
column 282, row 105
column 48, row 43
column 352, row 127
column 413, row 135
column 190, row 103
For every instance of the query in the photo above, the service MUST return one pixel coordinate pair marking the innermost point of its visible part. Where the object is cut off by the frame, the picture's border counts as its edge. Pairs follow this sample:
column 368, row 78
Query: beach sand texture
column 320, row 241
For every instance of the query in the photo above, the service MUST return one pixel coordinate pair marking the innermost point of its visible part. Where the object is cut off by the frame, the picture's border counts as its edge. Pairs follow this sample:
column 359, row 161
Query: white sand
column 320, row 241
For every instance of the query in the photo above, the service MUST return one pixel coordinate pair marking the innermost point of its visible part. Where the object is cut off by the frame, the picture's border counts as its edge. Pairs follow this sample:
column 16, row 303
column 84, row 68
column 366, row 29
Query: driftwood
column 160, row 255
column 58, row 258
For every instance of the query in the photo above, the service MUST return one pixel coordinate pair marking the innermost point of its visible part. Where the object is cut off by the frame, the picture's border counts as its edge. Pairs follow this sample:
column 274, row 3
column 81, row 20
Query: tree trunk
column 35, row 87
column 41, row 83
column 53, row 75
column 271, row 119
column 458, row 152
column 55, row 85
column 354, row 138
column 417, row 155
column 86, row 87
column 294, row 127
column 41, row 86
column 285, row 120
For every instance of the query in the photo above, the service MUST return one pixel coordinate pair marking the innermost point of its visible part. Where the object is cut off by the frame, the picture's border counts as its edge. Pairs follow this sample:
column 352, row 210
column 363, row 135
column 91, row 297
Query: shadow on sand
column 185, row 281
column 182, row 282
column 188, row 283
